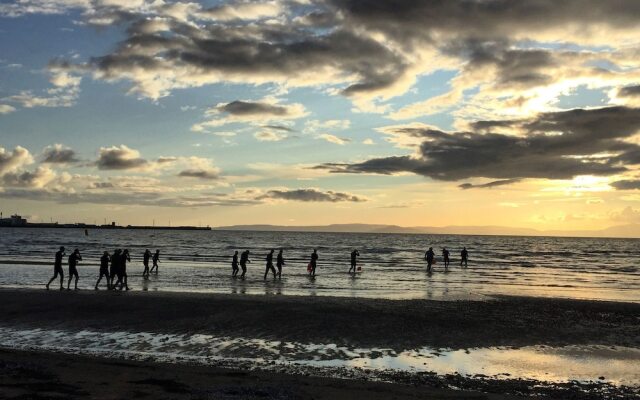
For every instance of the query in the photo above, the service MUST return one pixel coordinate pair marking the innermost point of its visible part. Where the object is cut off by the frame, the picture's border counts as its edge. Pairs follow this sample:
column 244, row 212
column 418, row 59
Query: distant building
column 14, row 220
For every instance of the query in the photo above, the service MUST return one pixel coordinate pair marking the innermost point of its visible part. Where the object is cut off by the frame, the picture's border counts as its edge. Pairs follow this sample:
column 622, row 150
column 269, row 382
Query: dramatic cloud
column 119, row 157
column 58, row 154
column 11, row 161
column 558, row 145
column 36, row 179
column 487, row 185
column 629, row 184
column 311, row 195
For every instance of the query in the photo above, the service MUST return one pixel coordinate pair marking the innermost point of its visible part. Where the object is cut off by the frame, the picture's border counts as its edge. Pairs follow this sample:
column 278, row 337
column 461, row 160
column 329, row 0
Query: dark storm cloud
column 58, row 154
column 503, row 182
column 558, row 145
column 629, row 91
column 118, row 158
column 200, row 174
column 492, row 19
column 629, row 184
column 310, row 195
column 252, row 108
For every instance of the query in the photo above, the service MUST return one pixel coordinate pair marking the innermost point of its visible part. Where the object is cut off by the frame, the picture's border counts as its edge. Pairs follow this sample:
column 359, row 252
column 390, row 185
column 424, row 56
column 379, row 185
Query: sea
column 392, row 265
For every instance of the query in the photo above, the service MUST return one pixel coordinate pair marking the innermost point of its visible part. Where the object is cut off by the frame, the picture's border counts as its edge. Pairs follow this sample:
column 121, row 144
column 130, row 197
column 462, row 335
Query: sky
column 313, row 112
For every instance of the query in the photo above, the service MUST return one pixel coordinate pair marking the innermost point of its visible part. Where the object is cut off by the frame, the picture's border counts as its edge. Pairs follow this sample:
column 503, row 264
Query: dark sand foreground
column 397, row 324
column 504, row 321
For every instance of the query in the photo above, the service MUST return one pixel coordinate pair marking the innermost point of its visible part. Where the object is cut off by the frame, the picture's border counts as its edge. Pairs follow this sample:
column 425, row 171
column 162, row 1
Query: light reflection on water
column 618, row 365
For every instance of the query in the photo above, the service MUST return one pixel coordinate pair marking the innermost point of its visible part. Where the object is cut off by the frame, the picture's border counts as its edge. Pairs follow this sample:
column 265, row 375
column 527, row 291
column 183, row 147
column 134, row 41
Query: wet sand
column 31, row 375
column 501, row 321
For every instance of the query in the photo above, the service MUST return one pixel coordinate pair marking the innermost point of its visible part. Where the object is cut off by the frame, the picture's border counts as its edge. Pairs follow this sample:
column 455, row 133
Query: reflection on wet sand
column 615, row 365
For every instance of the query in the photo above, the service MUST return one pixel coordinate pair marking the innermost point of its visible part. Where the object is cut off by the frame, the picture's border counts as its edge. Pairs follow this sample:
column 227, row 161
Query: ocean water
column 392, row 264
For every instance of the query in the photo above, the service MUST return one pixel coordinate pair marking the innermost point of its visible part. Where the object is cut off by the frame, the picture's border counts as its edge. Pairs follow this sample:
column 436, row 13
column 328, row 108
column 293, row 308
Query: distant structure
column 16, row 221
column 13, row 221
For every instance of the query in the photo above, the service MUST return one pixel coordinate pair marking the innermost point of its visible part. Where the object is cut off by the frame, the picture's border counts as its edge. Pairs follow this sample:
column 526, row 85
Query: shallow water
column 591, row 268
column 613, row 365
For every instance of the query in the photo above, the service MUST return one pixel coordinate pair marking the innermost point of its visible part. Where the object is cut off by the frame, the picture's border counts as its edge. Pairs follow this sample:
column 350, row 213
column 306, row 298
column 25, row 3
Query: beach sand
column 500, row 321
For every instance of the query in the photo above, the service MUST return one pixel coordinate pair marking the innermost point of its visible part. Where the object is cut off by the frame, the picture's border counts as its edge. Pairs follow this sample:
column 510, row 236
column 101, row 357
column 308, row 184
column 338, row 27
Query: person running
column 73, row 270
column 57, row 268
column 234, row 265
column 104, row 268
column 244, row 259
column 464, row 256
column 269, row 266
column 429, row 256
column 354, row 255
column 145, row 261
column 280, row 263
column 445, row 257
column 313, row 263
column 156, row 260
column 115, row 267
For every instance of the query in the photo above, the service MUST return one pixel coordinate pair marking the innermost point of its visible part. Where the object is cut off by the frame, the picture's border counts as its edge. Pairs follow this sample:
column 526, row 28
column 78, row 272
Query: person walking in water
column 429, row 256
column 57, row 268
column 464, row 256
column 156, row 260
column 445, row 257
column 269, row 266
column 313, row 263
column 244, row 259
column 280, row 263
column 145, row 261
column 234, row 265
column 104, row 268
column 73, row 270
column 115, row 267
column 354, row 260
column 123, row 269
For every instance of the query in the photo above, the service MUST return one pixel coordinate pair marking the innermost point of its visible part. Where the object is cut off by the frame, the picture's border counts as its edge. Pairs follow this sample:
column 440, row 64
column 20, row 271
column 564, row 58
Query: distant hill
column 622, row 231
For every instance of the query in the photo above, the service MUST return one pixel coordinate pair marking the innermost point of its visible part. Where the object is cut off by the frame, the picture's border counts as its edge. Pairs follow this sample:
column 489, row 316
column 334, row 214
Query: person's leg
column 77, row 278
column 55, row 275
column 126, row 282
column 244, row 270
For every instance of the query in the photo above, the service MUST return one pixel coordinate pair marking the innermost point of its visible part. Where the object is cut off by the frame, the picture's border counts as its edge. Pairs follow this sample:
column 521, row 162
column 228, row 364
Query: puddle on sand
column 618, row 365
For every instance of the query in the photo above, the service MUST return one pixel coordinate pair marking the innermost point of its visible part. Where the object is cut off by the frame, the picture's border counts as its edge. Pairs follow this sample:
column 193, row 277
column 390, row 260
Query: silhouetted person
column 123, row 269
column 104, row 268
column 156, row 260
column 445, row 257
column 269, row 266
column 145, row 261
column 73, row 270
column 244, row 259
column 114, row 271
column 57, row 268
column 314, row 262
column 429, row 256
column 234, row 265
column 280, row 263
column 354, row 260
column 464, row 256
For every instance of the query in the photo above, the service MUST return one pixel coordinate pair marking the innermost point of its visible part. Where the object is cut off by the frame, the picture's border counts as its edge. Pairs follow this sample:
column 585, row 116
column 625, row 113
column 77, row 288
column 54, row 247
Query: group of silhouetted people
column 113, row 267
column 430, row 258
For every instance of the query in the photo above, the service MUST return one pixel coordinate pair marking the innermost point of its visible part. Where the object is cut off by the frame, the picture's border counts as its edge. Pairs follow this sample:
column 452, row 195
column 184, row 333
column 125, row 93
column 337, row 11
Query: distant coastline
column 91, row 226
